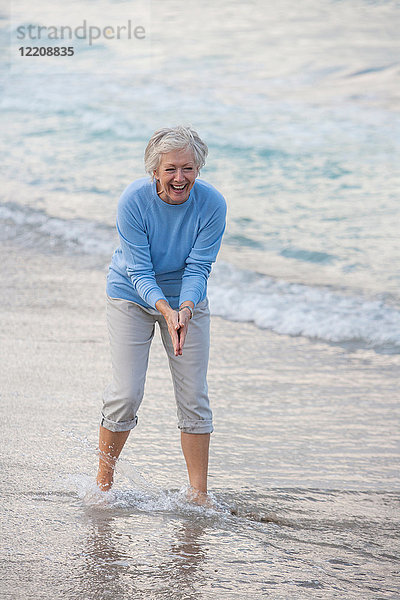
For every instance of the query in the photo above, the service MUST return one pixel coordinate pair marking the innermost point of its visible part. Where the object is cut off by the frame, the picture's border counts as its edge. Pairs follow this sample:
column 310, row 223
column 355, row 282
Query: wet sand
column 291, row 398
column 305, row 437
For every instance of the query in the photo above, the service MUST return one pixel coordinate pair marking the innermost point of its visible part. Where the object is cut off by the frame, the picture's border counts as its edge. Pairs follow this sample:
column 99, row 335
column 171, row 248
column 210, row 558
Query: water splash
column 145, row 498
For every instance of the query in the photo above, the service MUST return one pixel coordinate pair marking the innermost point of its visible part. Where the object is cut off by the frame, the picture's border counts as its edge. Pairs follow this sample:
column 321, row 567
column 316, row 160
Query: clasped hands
column 177, row 321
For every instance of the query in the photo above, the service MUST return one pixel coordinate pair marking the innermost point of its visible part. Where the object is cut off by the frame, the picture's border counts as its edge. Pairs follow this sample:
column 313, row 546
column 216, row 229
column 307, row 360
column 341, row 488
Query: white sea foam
column 297, row 309
column 35, row 228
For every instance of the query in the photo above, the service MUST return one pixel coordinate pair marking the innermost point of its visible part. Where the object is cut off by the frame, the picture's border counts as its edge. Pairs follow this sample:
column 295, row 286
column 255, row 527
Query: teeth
column 178, row 187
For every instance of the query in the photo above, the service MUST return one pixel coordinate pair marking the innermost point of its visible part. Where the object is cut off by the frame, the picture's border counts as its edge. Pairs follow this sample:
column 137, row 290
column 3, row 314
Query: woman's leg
column 195, row 450
column 189, row 375
column 110, row 446
column 131, row 331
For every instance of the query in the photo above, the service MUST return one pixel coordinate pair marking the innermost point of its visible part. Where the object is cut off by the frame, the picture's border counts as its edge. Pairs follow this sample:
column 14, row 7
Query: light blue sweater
column 166, row 250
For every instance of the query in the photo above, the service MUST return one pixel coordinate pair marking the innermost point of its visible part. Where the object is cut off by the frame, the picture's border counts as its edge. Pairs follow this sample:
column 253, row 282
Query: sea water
column 298, row 104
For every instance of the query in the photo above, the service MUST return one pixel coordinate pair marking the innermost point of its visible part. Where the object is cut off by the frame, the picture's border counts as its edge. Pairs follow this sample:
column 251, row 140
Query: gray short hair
column 174, row 138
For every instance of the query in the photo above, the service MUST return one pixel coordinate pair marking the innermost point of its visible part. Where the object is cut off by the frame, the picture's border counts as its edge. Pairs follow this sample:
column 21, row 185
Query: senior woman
column 170, row 228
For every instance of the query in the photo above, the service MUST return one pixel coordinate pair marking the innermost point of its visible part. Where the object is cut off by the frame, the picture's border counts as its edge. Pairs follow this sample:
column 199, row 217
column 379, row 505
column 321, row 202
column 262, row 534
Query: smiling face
column 176, row 175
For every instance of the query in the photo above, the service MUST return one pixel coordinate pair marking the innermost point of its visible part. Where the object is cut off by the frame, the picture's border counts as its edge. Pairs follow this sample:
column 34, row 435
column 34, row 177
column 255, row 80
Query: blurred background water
column 299, row 104
column 299, row 107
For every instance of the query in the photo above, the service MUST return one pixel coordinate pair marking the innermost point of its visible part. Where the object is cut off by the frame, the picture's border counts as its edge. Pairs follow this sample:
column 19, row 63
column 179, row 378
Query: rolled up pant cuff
column 200, row 426
column 120, row 426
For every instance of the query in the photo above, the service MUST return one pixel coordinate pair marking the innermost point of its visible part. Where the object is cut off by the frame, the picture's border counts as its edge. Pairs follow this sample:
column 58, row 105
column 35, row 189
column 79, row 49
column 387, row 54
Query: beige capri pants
column 131, row 330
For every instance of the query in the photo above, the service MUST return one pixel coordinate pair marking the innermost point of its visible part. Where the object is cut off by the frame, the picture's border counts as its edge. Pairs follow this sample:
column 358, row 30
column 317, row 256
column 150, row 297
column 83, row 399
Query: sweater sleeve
column 136, row 251
column 203, row 254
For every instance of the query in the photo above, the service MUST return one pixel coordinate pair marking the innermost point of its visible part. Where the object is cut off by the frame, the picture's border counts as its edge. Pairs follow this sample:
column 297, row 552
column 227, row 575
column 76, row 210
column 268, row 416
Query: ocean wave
column 284, row 307
column 34, row 228
column 301, row 310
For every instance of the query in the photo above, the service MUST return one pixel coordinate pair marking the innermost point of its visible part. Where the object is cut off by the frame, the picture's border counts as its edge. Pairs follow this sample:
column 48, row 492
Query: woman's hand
column 177, row 322
column 171, row 318
column 184, row 318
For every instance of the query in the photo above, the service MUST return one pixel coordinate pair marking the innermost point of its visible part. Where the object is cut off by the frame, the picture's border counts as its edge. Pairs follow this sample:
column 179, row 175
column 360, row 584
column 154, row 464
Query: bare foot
column 104, row 481
column 200, row 498
column 96, row 496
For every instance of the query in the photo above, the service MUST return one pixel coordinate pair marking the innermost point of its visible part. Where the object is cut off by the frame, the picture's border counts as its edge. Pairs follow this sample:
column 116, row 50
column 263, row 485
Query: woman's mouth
column 178, row 188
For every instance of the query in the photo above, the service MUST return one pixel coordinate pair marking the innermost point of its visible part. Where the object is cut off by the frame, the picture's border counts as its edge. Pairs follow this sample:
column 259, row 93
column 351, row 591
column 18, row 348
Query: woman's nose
column 179, row 175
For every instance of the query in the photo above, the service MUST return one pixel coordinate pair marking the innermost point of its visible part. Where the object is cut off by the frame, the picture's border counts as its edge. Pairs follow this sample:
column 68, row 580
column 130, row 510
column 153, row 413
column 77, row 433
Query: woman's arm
column 139, row 267
column 136, row 251
column 203, row 254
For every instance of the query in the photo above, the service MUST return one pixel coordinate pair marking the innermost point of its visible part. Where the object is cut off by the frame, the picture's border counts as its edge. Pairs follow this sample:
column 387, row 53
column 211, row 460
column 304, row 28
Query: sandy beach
column 305, row 433
column 55, row 357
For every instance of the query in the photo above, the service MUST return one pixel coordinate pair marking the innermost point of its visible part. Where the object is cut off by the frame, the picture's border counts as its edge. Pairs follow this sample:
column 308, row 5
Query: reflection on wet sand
column 113, row 567
column 180, row 570
column 106, row 561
